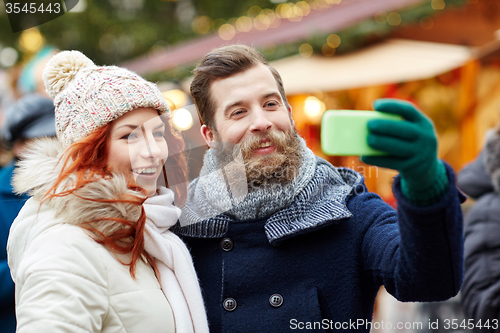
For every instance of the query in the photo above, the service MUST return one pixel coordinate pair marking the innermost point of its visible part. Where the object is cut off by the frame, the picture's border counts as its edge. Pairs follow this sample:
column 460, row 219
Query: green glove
column 411, row 145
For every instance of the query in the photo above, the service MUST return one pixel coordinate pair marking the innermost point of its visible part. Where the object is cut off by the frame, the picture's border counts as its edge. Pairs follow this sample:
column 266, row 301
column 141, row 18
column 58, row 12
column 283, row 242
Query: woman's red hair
column 87, row 159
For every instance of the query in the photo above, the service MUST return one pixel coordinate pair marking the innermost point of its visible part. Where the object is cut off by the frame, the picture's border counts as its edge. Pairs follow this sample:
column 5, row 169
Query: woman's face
column 137, row 147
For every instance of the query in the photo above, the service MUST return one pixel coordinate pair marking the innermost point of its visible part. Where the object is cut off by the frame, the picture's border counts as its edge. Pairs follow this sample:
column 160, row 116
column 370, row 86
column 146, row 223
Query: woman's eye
column 130, row 136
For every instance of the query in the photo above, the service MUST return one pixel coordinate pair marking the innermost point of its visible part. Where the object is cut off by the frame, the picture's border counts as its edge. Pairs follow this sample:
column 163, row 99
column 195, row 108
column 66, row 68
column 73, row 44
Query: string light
column 313, row 107
column 394, row 19
column 438, row 4
column 333, row 40
column 31, row 40
column 227, row 31
column 182, row 119
column 244, row 24
column 305, row 50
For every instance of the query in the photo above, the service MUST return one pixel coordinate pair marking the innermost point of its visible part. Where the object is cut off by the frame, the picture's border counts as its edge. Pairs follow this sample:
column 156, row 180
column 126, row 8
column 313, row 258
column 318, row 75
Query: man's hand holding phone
column 410, row 147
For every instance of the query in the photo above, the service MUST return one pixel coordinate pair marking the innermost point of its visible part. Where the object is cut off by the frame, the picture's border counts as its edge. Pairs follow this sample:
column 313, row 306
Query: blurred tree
column 111, row 31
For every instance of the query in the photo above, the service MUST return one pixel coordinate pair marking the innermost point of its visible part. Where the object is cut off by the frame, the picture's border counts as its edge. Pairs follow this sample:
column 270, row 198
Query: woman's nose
column 151, row 148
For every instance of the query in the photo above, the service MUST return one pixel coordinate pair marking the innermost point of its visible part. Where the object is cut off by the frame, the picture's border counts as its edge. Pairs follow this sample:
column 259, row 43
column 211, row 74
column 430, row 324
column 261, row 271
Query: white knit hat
column 87, row 96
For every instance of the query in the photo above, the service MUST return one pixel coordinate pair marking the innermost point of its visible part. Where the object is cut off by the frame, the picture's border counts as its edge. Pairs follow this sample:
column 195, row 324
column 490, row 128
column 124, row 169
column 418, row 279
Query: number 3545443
column 32, row 8
column 470, row 324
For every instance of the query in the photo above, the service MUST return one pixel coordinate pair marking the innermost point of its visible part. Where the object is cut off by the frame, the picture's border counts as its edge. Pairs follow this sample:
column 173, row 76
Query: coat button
column 230, row 304
column 227, row 244
column 276, row 300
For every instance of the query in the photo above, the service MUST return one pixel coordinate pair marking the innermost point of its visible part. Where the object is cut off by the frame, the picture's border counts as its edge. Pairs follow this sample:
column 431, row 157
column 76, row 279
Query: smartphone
column 344, row 132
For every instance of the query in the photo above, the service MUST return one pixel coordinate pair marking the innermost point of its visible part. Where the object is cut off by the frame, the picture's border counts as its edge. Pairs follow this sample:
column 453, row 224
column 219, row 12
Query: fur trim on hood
column 37, row 172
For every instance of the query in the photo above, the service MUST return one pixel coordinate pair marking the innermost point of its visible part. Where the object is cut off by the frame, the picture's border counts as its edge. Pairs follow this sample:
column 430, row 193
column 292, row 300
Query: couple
column 92, row 250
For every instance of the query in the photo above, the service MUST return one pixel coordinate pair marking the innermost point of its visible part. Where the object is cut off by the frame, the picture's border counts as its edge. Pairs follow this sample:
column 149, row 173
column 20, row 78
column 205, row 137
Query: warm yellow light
column 438, row 4
column 227, row 31
column 254, row 11
column 305, row 50
column 394, row 18
column 297, row 14
column 244, row 24
column 284, row 10
column 31, row 40
column 270, row 14
column 304, row 7
column 176, row 98
column 201, row 24
column 327, row 50
column 322, row 4
column 182, row 119
column 261, row 22
column 313, row 107
column 217, row 23
column 333, row 40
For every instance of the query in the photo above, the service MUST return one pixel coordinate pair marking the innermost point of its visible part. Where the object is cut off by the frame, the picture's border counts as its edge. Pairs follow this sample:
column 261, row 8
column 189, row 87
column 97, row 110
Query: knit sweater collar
column 322, row 200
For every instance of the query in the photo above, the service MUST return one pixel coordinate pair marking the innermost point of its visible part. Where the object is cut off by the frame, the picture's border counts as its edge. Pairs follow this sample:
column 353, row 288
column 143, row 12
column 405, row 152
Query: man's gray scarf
column 221, row 190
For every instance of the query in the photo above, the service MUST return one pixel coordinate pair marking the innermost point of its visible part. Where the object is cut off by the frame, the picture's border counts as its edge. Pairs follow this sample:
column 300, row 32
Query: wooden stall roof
column 392, row 61
column 333, row 19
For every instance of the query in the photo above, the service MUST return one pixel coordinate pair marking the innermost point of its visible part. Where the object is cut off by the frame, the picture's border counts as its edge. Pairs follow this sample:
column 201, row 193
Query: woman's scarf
column 177, row 278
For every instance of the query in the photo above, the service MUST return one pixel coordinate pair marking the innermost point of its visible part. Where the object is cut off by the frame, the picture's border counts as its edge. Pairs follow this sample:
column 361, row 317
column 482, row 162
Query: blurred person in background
column 481, row 290
column 30, row 117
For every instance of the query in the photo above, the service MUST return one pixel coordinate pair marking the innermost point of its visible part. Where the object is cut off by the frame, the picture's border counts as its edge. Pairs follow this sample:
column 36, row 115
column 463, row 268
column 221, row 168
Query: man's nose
column 260, row 121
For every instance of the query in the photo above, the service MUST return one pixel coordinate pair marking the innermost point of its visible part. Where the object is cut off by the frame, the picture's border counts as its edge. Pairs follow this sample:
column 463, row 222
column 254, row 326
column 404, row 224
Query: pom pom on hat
column 61, row 69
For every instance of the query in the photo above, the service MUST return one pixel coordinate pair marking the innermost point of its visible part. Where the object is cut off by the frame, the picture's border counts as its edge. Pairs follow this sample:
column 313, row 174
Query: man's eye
column 271, row 104
column 238, row 112
column 159, row 134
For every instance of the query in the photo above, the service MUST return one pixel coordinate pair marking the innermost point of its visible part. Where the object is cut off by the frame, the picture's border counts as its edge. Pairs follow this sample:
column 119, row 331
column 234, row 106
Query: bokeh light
column 201, row 24
column 31, row 40
column 176, row 98
column 305, row 50
column 438, row 4
column 394, row 19
column 8, row 57
column 262, row 22
column 333, row 40
column 313, row 107
column 244, row 24
column 227, row 31
column 182, row 119
column 327, row 50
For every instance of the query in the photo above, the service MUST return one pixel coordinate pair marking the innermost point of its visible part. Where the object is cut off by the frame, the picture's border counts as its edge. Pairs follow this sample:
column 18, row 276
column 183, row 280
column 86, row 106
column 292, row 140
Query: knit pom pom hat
column 87, row 96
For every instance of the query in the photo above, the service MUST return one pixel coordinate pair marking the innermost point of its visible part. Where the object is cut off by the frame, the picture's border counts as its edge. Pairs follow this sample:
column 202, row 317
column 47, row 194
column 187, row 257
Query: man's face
column 248, row 104
column 250, row 112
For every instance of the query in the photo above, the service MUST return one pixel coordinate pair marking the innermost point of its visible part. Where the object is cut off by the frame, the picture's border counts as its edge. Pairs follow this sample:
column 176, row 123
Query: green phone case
column 344, row 132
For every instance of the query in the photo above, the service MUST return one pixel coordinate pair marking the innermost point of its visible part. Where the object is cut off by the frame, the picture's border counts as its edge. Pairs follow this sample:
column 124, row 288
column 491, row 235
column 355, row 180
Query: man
column 308, row 246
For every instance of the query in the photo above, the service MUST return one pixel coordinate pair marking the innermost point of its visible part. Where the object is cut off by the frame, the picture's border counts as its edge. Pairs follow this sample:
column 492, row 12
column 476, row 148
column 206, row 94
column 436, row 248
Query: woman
column 91, row 250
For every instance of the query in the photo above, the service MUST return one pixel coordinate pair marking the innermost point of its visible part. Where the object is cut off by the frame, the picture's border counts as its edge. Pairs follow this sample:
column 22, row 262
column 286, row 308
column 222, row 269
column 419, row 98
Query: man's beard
column 277, row 168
